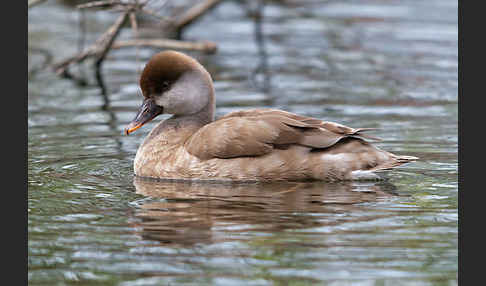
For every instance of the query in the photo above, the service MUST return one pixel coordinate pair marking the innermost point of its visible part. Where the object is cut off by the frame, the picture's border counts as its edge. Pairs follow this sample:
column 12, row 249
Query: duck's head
column 173, row 83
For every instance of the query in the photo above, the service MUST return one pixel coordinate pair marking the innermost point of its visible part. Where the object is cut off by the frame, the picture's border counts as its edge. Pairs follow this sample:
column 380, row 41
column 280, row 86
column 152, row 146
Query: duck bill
column 148, row 111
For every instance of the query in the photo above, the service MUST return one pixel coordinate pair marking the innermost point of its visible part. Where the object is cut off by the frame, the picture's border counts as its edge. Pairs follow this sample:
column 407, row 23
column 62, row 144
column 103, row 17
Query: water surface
column 390, row 65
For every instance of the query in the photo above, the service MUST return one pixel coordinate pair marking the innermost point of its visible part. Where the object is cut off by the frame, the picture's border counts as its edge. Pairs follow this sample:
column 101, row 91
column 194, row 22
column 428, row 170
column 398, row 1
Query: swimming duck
column 248, row 145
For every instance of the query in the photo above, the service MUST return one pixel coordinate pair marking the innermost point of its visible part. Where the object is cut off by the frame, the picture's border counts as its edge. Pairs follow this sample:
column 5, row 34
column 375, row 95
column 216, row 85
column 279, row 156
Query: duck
column 262, row 144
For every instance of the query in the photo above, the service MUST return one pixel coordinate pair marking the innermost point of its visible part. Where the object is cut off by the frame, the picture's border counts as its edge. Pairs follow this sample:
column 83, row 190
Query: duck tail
column 359, row 132
column 395, row 162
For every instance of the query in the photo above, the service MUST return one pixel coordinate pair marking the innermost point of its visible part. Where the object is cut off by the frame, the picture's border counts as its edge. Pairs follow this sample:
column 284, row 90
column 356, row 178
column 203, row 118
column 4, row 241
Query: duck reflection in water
column 200, row 212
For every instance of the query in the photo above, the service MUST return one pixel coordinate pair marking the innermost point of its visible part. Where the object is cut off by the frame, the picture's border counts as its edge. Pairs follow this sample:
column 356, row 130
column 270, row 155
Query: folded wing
column 259, row 131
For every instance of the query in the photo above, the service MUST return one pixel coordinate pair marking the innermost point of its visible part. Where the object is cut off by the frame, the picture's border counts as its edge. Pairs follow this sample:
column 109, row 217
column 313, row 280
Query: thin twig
column 99, row 48
column 154, row 14
column 82, row 38
column 203, row 46
column 106, row 4
column 106, row 40
column 134, row 24
column 262, row 54
column 194, row 13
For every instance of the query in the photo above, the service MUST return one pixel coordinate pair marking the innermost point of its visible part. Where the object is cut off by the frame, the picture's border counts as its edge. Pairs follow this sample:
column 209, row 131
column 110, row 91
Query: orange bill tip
column 129, row 129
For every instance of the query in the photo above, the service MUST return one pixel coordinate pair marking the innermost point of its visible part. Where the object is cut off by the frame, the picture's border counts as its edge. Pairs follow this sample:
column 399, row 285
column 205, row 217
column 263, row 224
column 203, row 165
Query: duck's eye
column 165, row 85
column 160, row 88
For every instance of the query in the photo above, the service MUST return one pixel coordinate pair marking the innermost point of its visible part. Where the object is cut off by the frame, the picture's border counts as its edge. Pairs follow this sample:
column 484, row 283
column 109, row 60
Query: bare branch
column 204, row 46
column 194, row 13
column 106, row 40
column 133, row 22
column 105, row 4
column 99, row 48
column 154, row 14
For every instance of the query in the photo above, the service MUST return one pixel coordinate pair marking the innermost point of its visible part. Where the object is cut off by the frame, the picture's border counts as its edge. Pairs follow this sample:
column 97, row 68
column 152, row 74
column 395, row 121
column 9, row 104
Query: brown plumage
column 257, row 132
column 249, row 145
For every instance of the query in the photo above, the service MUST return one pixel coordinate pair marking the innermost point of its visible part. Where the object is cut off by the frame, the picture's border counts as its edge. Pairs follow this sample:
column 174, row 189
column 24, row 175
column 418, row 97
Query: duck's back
column 268, row 144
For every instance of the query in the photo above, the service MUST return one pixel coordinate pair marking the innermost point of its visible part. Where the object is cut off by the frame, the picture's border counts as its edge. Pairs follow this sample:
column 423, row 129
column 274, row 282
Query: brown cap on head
column 163, row 69
column 175, row 83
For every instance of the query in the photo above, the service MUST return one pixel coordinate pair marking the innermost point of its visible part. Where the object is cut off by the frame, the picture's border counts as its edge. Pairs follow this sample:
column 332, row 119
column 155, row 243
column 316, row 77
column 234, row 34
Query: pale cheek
column 187, row 98
column 162, row 101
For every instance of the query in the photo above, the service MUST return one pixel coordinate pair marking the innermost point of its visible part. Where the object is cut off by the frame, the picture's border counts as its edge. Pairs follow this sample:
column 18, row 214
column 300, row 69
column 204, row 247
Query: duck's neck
column 199, row 119
column 192, row 99
column 192, row 121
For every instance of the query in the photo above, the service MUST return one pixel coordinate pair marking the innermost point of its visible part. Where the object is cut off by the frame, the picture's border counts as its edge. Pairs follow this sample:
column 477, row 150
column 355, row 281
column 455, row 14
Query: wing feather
column 257, row 132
